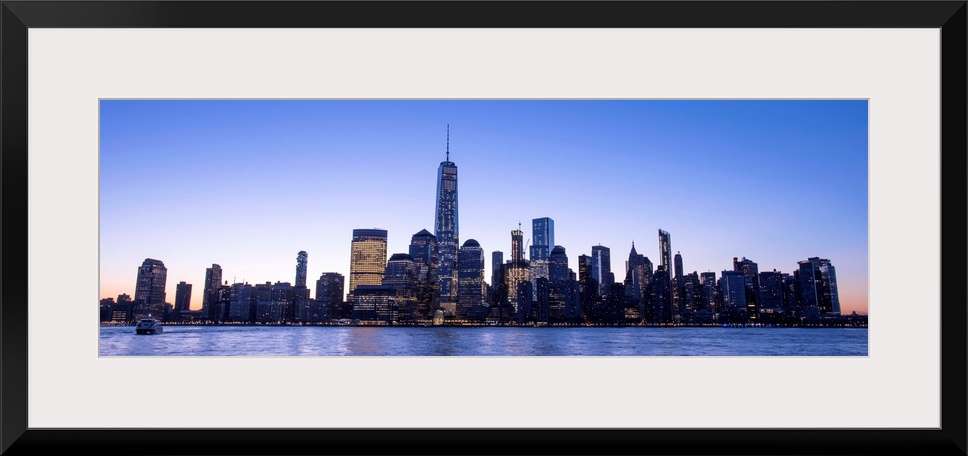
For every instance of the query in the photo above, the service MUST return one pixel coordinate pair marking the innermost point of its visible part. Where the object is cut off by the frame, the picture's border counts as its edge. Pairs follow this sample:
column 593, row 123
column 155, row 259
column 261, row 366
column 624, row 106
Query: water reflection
column 482, row 341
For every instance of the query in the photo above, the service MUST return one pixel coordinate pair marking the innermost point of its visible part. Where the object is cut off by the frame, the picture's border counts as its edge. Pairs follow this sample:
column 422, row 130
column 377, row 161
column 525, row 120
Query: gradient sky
column 249, row 183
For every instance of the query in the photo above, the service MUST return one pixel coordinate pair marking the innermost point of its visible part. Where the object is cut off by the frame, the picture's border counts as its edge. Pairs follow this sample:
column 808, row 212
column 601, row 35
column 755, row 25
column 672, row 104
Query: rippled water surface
column 482, row 341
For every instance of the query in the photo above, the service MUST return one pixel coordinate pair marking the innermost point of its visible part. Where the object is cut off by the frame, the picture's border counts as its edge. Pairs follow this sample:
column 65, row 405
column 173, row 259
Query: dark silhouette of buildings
column 751, row 281
column 213, row 279
column 149, row 292
column 329, row 296
column 183, row 297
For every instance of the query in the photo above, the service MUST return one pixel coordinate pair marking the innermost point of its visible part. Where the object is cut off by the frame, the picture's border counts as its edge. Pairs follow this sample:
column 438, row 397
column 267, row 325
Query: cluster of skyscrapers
column 440, row 281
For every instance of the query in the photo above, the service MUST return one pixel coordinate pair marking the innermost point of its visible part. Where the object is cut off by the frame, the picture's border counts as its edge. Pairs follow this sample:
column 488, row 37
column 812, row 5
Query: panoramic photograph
column 483, row 227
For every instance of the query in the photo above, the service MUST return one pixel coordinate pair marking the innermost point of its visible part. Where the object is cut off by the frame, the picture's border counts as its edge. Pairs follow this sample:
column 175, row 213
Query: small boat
column 148, row 325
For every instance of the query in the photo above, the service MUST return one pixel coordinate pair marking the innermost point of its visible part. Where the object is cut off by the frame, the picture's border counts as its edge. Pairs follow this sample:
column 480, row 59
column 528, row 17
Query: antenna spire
column 448, row 142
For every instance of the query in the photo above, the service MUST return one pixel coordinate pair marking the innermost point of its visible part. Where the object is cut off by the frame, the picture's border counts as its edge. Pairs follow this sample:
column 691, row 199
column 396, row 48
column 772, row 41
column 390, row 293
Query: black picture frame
column 18, row 16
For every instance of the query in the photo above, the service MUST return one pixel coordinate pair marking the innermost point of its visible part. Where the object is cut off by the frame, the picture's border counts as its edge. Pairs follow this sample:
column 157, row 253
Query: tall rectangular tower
column 149, row 293
column 665, row 252
column 470, row 280
column 446, row 228
column 213, row 279
column 368, row 258
column 183, row 296
column 602, row 268
column 301, row 259
column 542, row 238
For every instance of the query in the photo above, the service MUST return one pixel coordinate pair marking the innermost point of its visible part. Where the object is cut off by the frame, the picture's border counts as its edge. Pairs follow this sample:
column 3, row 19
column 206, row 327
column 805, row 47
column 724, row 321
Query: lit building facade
column 121, row 310
column 517, row 246
column 751, row 279
column 423, row 250
column 542, row 238
column 446, row 229
column 771, row 291
column 375, row 303
column 470, row 280
column 818, row 285
column 602, row 268
column 517, row 270
column 401, row 274
column 368, row 258
column 558, row 265
column 243, row 302
column 665, row 252
column 733, row 288
column 707, row 280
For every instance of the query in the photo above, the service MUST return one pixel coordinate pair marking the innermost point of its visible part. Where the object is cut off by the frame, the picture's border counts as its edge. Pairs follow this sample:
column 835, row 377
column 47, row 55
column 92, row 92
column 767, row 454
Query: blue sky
column 249, row 183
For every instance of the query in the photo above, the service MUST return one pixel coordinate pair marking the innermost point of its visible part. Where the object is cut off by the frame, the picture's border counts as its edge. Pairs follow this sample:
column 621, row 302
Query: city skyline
column 773, row 181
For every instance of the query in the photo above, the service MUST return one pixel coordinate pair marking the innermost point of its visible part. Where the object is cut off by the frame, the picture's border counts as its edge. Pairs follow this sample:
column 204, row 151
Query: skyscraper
column 602, row 268
column 677, row 261
column 771, row 291
column 751, row 277
column 818, row 285
column 368, row 258
column 830, row 297
column 446, row 229
column 659, row 309
column 733, row 288
column 401, row 274
column 709, row 290
column 213, row 279
column 497, row 259
column 517, row 245
column 423, row 250
column 470, row 280
column 542, row 238
column 558, row 265
column 183, row 297
column 588, row 285
column 301, row 258
column 637, row 276
column 329, row 295
column 679, row 289
column 241, row 308
column 665, row 252
column 300, row 309
column 665, row 260
column 563, row 293
column 517, row 270
column 149, row 292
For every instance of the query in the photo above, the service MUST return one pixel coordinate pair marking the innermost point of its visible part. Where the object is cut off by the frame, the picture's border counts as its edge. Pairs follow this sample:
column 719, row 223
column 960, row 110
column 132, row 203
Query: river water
column 482, row 341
